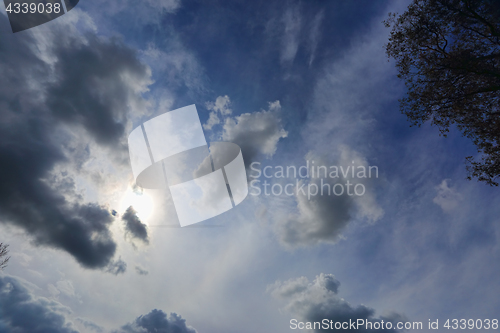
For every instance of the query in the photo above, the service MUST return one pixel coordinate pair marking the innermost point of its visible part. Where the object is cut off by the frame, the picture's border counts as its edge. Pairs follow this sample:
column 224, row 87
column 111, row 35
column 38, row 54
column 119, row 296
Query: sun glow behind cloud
column 141, row 201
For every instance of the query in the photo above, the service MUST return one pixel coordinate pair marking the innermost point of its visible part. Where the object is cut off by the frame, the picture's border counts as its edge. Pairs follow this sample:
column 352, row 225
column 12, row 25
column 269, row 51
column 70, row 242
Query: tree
column 3, row 256
column 448, row 54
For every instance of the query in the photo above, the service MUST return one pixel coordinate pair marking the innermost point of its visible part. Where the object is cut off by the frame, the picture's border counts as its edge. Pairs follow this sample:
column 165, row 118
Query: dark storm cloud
column 95, row 83
column 32, row 142
column 134, row 226
column 22, row 312
column 157, row 321
column 318, row 300
column 26, row 155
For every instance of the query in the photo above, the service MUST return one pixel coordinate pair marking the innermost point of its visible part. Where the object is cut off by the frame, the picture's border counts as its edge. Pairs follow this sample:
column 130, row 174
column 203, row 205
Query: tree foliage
column 448, row 53
column 3, row 256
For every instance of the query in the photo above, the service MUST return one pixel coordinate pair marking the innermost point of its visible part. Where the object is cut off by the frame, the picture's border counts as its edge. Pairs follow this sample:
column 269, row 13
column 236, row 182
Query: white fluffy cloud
column 257, row 132
column 447, row 197
column 220, row 106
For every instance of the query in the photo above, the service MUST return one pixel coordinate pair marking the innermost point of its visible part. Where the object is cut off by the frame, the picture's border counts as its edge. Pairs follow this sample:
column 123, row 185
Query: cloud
column 141, row 271
column 221, row 106
column 134, row 226
column 341, row 125
column 292, row 23
column 135, row 14
column 167, row 5
column 117, row 267
column 28, row 202
column 157, row 321
column 213, row 120
column 319, row 299
column 257, row 132
column 297, row 31
column 175, row 69
column 351, row 96
column 90, row 325
column 315, row 35
column 319, row 219
column 322, row 217
column 447, row 198
column 21, row 311
column 64, row 287
column 97, row 92
column 82, row 82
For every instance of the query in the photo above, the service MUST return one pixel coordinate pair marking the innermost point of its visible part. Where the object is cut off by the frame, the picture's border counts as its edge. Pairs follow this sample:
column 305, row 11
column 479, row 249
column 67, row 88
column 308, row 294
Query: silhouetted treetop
column 448, row 54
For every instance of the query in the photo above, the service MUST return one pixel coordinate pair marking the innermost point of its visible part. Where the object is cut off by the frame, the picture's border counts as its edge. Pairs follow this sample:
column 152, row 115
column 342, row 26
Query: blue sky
column 289, row 82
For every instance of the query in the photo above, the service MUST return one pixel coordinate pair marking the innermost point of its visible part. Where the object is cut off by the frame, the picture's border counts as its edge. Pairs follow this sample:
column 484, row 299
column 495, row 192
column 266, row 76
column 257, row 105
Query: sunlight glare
column 142, row 203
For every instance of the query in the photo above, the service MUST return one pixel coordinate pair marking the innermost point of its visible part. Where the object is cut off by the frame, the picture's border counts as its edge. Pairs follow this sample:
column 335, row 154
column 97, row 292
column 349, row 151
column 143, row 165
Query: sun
column 141, row 201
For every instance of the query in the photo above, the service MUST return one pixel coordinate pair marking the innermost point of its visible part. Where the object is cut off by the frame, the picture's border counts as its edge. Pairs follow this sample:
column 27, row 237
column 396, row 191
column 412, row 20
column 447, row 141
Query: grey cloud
column 447, row 197
column 134, row 226
column 141, row 271
column 117, row 267
column 319, row 299
column 155, row 322
column 319, row 219
column 28, row 202
column 22, row 312
column 256, row 133
column 96, row 83
column 323, row 217
column 33, row 143
column 90, row 325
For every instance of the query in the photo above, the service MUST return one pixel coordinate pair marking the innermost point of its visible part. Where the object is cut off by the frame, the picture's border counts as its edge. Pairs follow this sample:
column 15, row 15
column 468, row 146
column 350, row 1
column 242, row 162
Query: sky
column 294, row 84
